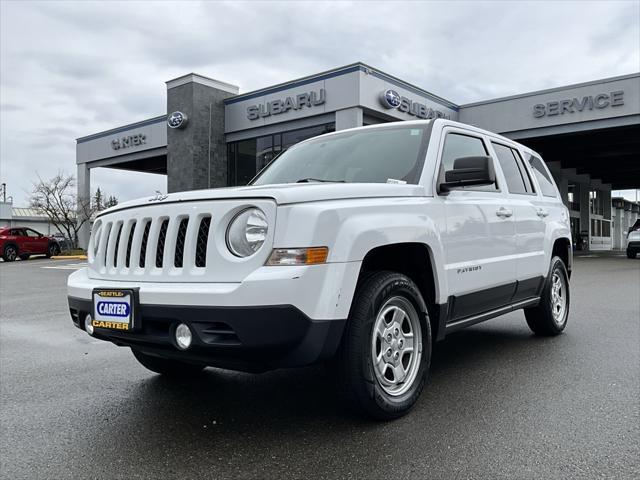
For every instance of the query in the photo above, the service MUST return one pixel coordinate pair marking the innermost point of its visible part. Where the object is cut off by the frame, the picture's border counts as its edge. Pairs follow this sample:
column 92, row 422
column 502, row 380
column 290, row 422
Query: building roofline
column 554, row 89
column 123, row 128
column 335, row 72
column 202, row 80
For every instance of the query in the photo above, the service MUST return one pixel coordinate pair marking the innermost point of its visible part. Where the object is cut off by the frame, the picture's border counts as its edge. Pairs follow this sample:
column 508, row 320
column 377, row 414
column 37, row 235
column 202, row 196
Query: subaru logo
column 177, row 120
column 390, row 99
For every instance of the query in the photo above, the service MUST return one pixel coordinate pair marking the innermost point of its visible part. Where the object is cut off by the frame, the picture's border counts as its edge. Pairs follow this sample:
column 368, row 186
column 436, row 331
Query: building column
column 349, row 118
column 84, row 197
column 197, row 149
column 585, row 217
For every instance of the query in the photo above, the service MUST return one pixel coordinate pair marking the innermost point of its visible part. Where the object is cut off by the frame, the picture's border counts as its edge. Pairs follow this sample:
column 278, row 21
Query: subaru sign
column 392, row 99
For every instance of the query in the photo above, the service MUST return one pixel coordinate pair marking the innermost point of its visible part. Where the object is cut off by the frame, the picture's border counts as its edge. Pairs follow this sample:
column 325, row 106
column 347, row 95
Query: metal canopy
column 611, row 155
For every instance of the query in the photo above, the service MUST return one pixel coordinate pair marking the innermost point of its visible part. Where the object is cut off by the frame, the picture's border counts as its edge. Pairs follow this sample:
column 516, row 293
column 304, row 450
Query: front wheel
column 384, row 357
column 550, row 316
column 165, row 366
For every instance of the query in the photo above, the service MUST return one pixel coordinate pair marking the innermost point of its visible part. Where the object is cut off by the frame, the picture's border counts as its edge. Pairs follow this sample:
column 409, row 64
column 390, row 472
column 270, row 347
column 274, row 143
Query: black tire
column 10, row 253
column 168, row 367
column 24, row 256
column 631, row 254
column 541, row 319
column 354, row 361
column 53, row 250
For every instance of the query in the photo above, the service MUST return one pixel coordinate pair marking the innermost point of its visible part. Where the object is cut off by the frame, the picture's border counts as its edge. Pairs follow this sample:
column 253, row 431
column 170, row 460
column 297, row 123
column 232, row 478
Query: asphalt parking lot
column 500, row 403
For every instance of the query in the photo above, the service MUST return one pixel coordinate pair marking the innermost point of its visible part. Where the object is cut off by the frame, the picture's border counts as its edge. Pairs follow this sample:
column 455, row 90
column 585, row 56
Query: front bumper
column 277, row 317
column 253, row 338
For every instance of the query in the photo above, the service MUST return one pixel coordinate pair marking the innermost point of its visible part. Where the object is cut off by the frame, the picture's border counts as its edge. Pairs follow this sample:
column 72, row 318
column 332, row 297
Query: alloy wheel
column 558, row 298
column 396, row 346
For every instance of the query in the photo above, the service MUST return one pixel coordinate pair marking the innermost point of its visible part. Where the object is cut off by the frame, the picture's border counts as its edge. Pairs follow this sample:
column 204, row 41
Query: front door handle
column 542, row 212
column 504, row 212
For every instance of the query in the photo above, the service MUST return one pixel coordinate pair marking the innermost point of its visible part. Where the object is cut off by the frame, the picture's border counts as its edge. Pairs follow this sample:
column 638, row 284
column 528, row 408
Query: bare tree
column 57, row 199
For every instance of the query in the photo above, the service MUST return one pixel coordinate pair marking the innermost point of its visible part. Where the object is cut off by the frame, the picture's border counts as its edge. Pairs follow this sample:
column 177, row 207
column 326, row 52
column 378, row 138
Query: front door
column 36, row 242
column 479, row 240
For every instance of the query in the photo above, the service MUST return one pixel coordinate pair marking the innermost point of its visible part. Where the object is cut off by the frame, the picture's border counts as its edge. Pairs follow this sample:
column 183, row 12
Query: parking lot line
column 68, row 266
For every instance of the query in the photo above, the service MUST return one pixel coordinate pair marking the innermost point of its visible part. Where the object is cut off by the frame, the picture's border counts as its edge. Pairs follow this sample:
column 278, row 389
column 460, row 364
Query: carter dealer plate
column 113, row 309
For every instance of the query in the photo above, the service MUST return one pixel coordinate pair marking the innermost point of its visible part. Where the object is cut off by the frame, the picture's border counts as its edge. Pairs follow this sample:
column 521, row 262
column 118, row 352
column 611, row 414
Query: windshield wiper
column 309, row 180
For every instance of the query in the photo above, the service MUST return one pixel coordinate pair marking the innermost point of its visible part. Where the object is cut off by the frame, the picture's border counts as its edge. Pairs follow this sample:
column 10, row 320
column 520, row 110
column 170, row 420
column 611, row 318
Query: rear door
column 20, row 239
column 479, row 240
column 529, row 223
column 548, row 205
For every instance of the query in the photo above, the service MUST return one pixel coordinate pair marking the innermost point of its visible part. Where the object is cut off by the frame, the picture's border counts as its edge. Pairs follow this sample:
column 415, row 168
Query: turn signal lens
column 298, row 256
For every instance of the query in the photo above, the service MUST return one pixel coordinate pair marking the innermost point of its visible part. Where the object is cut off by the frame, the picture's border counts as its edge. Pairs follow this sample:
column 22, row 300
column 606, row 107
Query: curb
column 69, row 257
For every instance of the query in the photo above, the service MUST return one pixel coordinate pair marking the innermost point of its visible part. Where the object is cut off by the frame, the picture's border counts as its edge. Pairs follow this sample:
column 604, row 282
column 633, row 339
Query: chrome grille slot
column 132, row 231
column 201, row 241
column 162, row 238
column 115, row 250
column 111, row 244
column 143, row 246
column 103, row 244
column 182, row 234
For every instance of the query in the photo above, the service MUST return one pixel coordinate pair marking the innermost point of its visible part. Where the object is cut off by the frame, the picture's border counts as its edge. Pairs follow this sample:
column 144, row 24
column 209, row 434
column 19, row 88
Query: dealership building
column 215, row 136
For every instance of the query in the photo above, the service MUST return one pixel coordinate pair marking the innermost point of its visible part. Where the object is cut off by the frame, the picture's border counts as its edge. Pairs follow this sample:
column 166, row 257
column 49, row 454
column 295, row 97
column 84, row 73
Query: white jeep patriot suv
column 361, row 246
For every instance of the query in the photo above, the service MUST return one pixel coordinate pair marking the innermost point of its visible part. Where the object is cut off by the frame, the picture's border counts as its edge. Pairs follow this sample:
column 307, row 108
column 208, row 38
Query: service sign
column 112, row 309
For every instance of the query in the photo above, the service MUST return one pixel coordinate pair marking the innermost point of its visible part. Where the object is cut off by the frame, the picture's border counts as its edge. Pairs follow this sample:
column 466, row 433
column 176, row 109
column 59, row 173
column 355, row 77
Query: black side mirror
column 468, row 171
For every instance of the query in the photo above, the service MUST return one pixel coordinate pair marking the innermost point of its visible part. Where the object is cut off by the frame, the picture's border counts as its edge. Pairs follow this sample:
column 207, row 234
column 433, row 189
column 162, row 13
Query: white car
column 633, row 240
column 363, row 246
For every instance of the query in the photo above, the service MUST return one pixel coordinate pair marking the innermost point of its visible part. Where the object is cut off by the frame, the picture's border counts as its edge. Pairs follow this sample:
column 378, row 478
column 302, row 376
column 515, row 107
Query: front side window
column 544, row 179
column 359, row 156
column 32, row 233
column 456, row 146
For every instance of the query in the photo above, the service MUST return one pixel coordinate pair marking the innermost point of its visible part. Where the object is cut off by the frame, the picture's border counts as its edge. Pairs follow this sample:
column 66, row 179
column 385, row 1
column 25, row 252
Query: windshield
column 378, row 155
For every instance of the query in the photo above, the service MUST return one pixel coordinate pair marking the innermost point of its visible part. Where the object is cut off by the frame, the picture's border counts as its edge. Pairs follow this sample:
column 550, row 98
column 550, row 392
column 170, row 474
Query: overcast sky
column 69, row 69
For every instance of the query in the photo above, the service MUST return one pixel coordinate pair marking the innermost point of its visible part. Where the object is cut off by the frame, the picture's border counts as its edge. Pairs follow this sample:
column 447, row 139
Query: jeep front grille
column 172, row 242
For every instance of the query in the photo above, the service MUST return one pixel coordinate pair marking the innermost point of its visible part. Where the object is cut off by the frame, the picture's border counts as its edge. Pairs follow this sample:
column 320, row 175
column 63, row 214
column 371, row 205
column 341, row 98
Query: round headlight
column 247, row 232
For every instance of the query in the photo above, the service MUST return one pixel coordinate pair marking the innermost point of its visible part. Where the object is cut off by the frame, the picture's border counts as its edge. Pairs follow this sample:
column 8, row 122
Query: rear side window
column 510, row 168
column 456, row 146
column 544, row 179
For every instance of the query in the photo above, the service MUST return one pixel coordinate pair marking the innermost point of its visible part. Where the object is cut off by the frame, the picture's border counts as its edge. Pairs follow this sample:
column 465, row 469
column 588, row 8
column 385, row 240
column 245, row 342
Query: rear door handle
column 504, row 212
column 542, row 212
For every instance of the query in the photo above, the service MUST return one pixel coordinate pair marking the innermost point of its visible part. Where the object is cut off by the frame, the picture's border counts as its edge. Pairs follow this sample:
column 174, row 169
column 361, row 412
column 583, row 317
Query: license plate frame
column 114, row 323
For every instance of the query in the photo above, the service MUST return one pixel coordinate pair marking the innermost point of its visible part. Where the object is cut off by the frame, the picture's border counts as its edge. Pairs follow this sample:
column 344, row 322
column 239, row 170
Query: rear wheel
column 10, row 253
column 168, row 367
column 53, row 250
column 386, row 350
column 631, row 253
column 550, row 316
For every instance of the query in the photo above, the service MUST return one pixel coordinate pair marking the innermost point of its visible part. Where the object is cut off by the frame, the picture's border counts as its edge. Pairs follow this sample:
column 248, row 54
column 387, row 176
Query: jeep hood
column 284, row 194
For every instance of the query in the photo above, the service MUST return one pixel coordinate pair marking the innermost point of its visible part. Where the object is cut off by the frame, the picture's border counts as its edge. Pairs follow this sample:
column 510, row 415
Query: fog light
column 88, row 326
column 183, row 336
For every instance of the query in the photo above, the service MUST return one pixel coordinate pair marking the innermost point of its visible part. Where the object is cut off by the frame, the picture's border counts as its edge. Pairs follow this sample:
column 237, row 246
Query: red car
column 23, row 242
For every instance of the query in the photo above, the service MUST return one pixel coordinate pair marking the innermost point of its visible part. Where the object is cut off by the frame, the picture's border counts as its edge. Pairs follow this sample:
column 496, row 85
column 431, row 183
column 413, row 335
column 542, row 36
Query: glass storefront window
column 246, row 158
column 574, row 197
column 596, row 202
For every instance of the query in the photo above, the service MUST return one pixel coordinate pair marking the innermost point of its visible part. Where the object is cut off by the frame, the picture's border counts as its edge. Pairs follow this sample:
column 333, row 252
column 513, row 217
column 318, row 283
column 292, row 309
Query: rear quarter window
column 547, row 185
